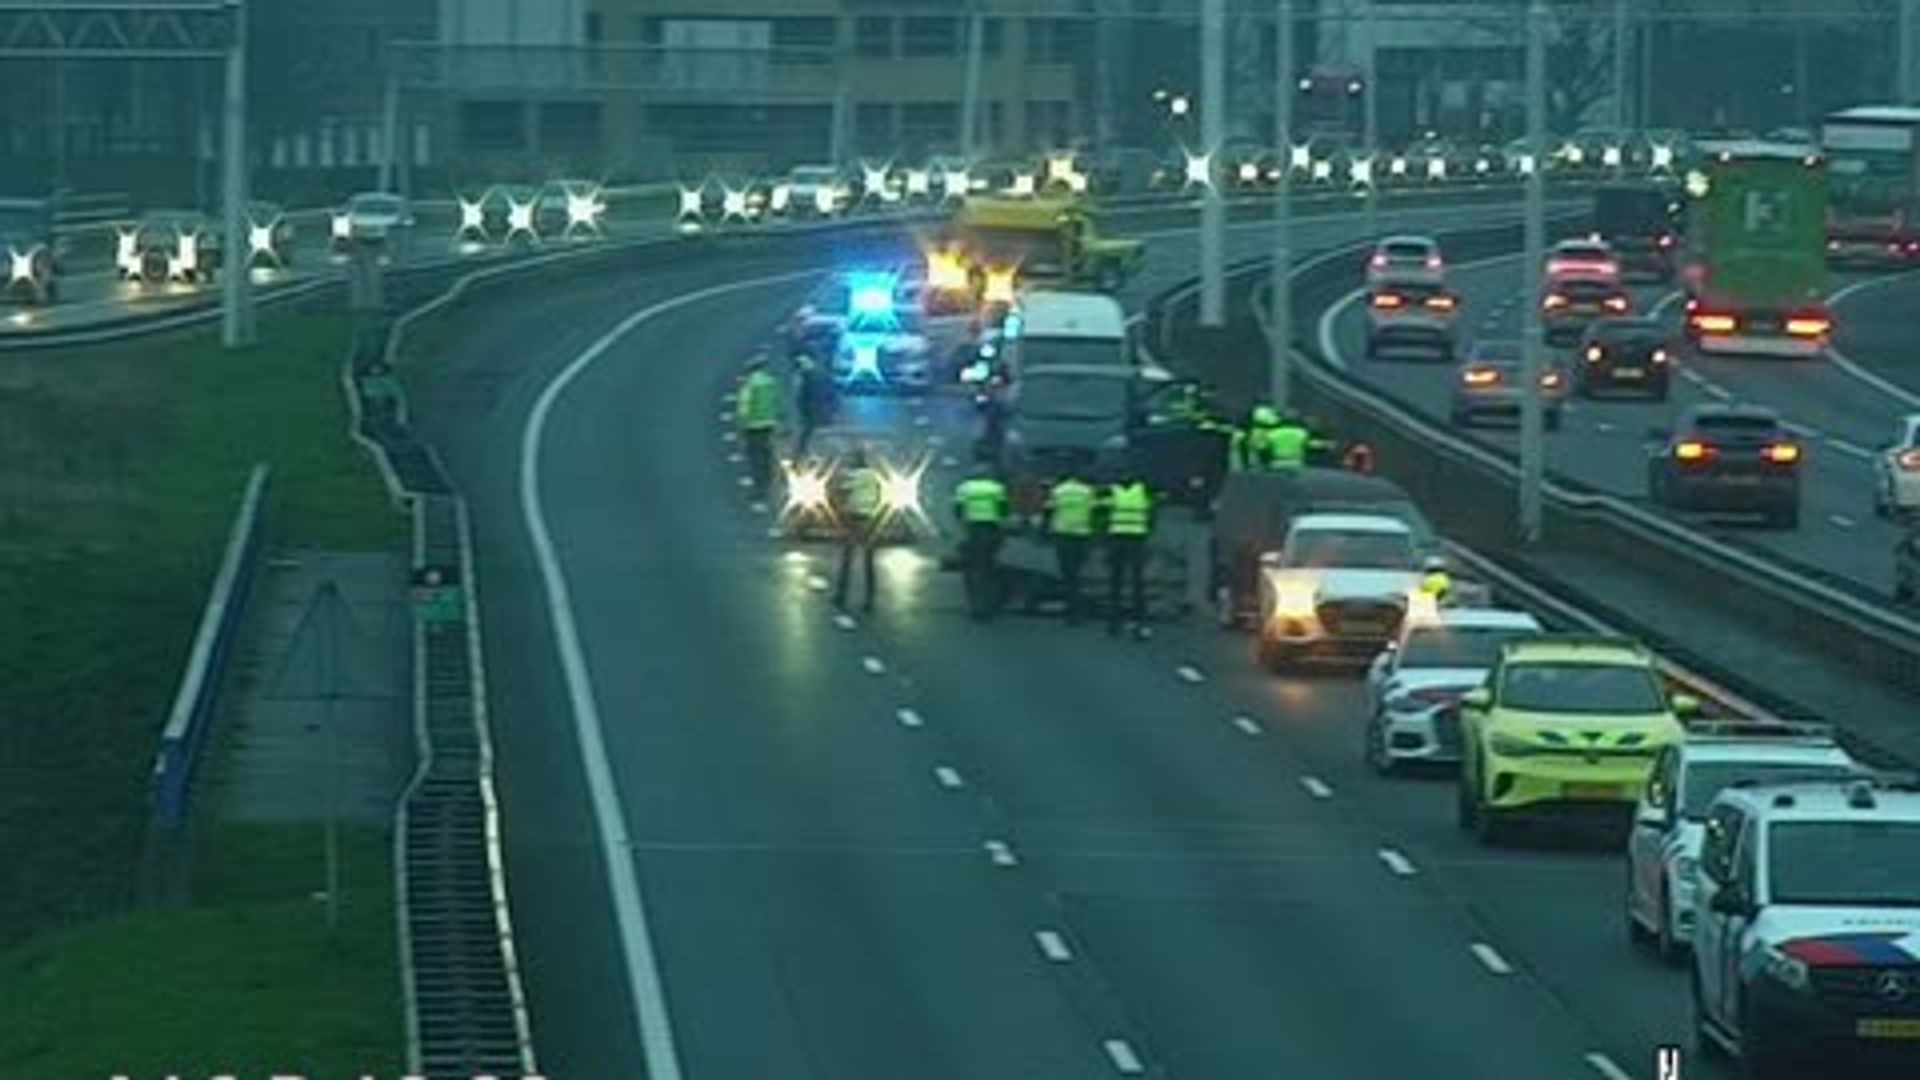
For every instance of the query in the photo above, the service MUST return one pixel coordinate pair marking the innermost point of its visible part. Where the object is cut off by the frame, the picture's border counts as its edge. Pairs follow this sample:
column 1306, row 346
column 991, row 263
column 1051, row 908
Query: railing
column 193, row 704
column 730, row 73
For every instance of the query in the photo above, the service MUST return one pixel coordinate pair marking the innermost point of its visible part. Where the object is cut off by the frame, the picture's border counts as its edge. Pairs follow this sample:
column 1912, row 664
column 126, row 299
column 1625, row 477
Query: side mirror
column 1479, row 699
column 1685, row 706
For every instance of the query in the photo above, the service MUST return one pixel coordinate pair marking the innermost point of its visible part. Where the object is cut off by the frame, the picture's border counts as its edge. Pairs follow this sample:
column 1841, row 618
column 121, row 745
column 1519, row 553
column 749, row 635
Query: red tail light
column 1617, row 303
column 1555, row 301
column 1783, row 453
column 1713, row 323
column 1908, row 460
column 1388, row 301
column 1434, row 262
column 1809, row 325
column 1694, row 450
column 1442, row 302
column 1377, row 262
column 1480, row 376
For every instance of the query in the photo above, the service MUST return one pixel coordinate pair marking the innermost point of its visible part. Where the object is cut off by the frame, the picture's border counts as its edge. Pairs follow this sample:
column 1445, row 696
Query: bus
column 1873, row 155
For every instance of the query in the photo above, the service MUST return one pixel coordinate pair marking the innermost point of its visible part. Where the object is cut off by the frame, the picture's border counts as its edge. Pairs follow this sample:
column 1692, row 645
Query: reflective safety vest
column 860, row 492
column 758, row 407
column 1129, row 510
column 1286, row 446
column 1070, row 506
column 981, row 500
column 1437, row 583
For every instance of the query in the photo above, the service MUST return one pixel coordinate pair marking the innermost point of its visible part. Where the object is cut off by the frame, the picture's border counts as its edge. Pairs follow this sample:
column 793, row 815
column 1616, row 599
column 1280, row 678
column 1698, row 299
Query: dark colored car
column 1641, row 223
column 1633, row 355
column 1728, row 459
column 1253, row 511
column 34, row 262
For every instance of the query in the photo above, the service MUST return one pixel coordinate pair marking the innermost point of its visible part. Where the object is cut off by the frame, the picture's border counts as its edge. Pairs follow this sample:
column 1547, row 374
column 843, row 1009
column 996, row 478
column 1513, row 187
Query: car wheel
column 1271, row 655
column 1465, row 805
column 1637, row 934
column 1903, row 590
column 1763, row 1059
column 1787, row 517
column 1372, row 349
column 1488, row 827
column 1661, row 391
column 1882, row 507
column 1461, row 418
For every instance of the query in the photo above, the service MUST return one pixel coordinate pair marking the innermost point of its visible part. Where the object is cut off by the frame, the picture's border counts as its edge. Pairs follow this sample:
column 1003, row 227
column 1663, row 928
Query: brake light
column 1616, row 303
column 1809, row 325
column 1434, row 262
column 1692, row 450
column 1555, row 301
column 1909, row 460
column 1480, row 376
column 1666, row 240
column 1388, row 300
column 1781, row 453
column 1660, row 356
column 1595, row 354
column 1714, row 324
column 1378, row 262
column 1550, row 380
column 1442, row 302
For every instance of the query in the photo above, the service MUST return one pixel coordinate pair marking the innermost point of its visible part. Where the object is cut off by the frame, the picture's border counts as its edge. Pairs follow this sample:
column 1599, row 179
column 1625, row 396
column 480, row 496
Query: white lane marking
column 874, row 665
column 1001, row 853
column 948, row 461
column 726, row 418
column 844, row 621
column 816, row 583
column 1801, row 430
column 908, row 718
column 1329, row 342
column 1851, row 449
column 729, row 436
column 1491, row 959
column 736, row 457
column 744, row 481
column 1397, row 862
column 1316, row 787
column 1847, row 365
column 936, row 440
column 1247, row 725
column 1190, row 674
column 1123, row 1057
column 1843, row 521
column 1053, row 946
column 1604, row 1065
column 642, row 966
column 948, row 776
column 757, row 507
column 921, row 420
column 1605, row 427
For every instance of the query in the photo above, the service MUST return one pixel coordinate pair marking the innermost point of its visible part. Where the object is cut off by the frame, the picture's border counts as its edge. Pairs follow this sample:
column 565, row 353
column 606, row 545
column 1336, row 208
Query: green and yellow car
column 1565, row 724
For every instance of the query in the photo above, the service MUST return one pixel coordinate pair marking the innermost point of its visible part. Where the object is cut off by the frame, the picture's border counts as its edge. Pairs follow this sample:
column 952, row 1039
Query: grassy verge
column 120, row 469
column 250, row 981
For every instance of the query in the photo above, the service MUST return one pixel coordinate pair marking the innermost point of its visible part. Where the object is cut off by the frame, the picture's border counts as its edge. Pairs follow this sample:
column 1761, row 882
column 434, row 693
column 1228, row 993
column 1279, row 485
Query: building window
column 929, row 37
column 595, row 30
column 1047, row 123
column 803, row 33
column 873, row 36
column 991, row 33
column 925, row 126
column 1059, row 41
column 873, row 127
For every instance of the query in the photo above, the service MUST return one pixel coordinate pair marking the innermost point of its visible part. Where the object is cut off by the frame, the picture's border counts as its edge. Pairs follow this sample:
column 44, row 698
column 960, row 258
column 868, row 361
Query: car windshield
column 1061, row 396
column 1595, row 689
column 1705, row 779
column 1320, row 549
column 1457, row 646
column 1737, row 427
column 1039, row 352
column 1844, row 863
column 1406, row 251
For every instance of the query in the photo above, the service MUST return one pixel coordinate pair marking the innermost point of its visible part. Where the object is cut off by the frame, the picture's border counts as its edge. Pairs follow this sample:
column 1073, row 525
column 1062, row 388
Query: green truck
column 1757, row 273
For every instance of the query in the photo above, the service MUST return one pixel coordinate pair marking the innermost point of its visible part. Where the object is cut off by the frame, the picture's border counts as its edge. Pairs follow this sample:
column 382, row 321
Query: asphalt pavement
column 916, row 845
column 1605, row 443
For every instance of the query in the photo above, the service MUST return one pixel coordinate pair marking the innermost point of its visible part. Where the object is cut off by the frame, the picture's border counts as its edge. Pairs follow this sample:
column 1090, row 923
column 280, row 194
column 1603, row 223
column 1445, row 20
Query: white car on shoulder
column 1414, row 686
column 1339, row 588
column 1663, row 847
column 1806, row 958
column 1898, row 471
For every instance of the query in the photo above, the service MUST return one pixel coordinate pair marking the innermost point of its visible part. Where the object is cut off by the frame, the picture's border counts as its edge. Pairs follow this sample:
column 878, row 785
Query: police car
column 1663, row 847
column 1807, row 951
column 1416, row 683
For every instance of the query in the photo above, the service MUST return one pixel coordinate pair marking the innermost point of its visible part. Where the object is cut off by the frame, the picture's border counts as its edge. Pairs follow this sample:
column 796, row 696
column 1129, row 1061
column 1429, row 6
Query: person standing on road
column 857, row 507
column 1070, row 507
column 1287, row 445
column 757, row 413
column 981, row 503
column 1129, row 518
column 814, row 398
column 1252, row 445
column 1435, row 581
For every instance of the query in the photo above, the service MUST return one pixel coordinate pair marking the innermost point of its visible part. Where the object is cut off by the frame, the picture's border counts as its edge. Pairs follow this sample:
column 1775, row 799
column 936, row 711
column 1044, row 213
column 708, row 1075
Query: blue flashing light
column 1010, row 326
column 976, row 372
column 870, row 296
column 988, row 350
column 864, row 360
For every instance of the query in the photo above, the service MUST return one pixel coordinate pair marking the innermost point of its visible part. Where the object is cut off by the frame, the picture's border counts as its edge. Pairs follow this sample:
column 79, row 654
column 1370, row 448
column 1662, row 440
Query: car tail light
column 1442, row 302
column 1616, row 303
column 1714, row 323
column 1595, row 354
column 1434, row 262
column 1660, row 356
column 1378, row 262
column 1781, row 453
column 1555, row 301
column 1694, row 450
column 1666, row 240
column 1551, row 380
column 1908, row 460
column 1480, row 376
column 1388, row 301
column 1809, row 325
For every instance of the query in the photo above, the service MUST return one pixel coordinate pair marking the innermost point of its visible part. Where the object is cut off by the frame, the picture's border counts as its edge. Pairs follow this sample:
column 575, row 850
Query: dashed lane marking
column 1053, row 946
column 1843, row 521
column 1190, row 674
column 1001, row 853
column 816, row 583
column 909, row 718
column 1247, row 725
column 1491, row 959
column 844, row 621
column 744, row 481
column 1123, row 1057
column 757, row 507
column 1316, row 787
column 948, row 776
column 948, row 461
column 874, row 665
column 1604, row 1065
column 729, row 436
column 1397, row 862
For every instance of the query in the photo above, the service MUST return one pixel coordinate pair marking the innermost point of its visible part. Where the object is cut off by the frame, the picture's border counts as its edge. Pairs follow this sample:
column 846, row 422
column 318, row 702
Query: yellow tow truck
column 996, row 243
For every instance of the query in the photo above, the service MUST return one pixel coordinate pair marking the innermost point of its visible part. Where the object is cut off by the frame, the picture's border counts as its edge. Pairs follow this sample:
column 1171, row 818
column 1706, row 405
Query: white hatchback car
column 1897, row 468
column 1414, row 686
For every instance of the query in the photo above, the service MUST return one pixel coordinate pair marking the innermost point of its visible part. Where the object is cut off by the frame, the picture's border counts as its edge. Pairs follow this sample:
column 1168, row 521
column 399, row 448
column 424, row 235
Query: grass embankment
column 120, row 470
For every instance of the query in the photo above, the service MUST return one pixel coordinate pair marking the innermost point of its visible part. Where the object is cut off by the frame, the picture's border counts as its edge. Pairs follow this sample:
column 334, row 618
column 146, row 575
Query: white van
column 1049, row 329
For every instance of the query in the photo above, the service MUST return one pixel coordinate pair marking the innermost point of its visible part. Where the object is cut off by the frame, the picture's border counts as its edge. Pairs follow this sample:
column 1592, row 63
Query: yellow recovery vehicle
column 995, row 243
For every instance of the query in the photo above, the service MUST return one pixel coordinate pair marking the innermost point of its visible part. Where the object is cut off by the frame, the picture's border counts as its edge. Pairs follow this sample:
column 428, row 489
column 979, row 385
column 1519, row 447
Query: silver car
column 1487, row 383
column 1414, row 687
column 1414, row 317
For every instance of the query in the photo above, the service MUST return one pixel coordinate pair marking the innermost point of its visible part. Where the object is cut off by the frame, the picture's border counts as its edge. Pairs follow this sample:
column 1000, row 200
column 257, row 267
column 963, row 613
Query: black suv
column 1627, row 355
column 1728, row 459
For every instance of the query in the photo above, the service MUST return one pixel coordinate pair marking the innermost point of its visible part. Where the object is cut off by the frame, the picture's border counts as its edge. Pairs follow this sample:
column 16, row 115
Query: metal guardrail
column 193, row 703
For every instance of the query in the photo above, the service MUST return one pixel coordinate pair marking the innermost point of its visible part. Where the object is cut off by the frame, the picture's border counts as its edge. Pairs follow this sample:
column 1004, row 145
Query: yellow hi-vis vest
column 982, row 500
column 1129, row 510
column 860, row 492
column 758, row 407
column 1070, row 504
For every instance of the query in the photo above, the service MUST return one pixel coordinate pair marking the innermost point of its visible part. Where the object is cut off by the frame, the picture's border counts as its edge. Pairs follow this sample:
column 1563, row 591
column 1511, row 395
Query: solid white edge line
column 1120, row 1052
column 1604, row 1065
column 1851, row 368
column 1053, row 946
column 1490, row 958
column 644, row 983
column 1397, row 862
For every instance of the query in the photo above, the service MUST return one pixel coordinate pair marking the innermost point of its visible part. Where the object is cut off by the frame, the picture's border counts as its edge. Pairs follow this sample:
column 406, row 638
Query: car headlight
column 1295, row 600
column 1788, row 971
column 1511, row 746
